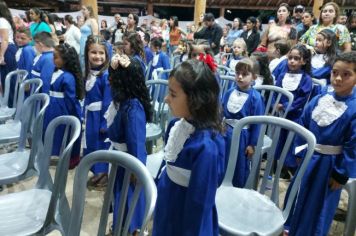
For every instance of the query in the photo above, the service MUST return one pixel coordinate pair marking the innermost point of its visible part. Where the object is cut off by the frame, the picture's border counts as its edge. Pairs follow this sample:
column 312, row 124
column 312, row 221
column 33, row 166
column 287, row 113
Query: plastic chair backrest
column 132, row 166
column 162, row 72
column 274, row 96
column 224, row 70
column 147, row 72
column 20, row 76
column 34, row 86
column 58, row 206
column 158, row 89
column 175, row 61
column 278, row 123
column 226, row 82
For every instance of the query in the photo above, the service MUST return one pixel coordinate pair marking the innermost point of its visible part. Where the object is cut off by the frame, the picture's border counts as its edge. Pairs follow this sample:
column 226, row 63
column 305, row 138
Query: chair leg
column 350, row 224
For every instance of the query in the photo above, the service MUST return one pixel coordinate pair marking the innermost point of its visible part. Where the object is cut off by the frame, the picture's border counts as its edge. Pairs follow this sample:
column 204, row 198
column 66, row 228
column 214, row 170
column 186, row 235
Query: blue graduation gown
column 231, row 63
column 129, row 127
column 43, row 68
column 317, row 203
column 24, row 57
column 254, row 106
column 10, row 65
column 142, row 63
column 63, row 101
column 191, row 210
column 148, row 54
column 95, row 123
column 160, row 60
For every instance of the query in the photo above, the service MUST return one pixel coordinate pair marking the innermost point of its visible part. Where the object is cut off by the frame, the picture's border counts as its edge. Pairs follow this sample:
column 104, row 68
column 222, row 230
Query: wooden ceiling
column 228, row 4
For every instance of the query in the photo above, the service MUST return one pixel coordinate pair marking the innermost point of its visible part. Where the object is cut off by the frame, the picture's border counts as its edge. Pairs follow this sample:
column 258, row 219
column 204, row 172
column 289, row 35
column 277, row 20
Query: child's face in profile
column 321, row 43
column 295, row 60
column 177, row 100
column 343, row 78
column 96, row 55
column 238, row 49
column 57, row 59
column 244, row 79
column 22, row 39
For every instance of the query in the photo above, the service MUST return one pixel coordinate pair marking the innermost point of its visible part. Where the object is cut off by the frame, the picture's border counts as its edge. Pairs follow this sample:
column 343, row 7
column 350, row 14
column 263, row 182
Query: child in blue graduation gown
column 331, row 118
column 133, row 47
column 43, row 66
column 293, row 74
column 25, row 53
column 126, row 119
column 239, row 51
column 323, row 59
column 239, row 102
column 96, row 102
column 194, row 154
column 65, row 92
column 160, row 60
column 148, row 51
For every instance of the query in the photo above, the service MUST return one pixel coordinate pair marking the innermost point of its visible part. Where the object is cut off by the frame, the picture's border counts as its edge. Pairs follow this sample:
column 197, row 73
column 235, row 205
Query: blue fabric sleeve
column 106, row 99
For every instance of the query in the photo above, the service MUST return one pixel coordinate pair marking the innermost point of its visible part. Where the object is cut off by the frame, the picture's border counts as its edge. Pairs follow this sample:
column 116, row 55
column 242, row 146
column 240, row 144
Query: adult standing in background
column 327, row 20
column 235, row 32
column 165, row 35
column 7, row 45
column 307, row 21
column 175, row 34
column 72, row 35
column 39, row 24
column 132, row 23
column 90, row 27
column 251, row 36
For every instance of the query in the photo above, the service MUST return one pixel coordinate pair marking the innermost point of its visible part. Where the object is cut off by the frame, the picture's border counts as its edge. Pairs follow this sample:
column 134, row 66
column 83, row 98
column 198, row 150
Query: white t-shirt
column 4, row 24
column 72, row 37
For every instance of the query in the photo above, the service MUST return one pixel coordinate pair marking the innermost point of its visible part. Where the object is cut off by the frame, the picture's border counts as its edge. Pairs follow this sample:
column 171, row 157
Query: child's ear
column 328, row 43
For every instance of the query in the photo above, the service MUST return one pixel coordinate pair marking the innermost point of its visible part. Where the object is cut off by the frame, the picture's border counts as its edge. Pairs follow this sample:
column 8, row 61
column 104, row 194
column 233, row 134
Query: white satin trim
column 291, row 81
column 328, row 110
column 110, row 114
column 56, row 75
column 233, row 63
column 236, row 101
column 318, row 61
column 91, row 80
column 18, row 54
column 35, row 60
column 155, row 60
column 178, row 135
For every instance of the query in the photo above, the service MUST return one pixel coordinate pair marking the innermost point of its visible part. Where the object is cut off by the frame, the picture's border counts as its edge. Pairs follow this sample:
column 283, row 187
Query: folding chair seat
column 7, row 112
column 10, row 131
column 20, row 164
column 245, row 211
column 131, row 166
column 44, row 208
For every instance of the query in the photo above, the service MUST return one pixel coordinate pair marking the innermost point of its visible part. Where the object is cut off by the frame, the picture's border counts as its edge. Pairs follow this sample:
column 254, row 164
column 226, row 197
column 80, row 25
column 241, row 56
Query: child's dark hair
column 24, row 30
column 106, row 34
column 95, row 39
column 129, row 83
column 157, row 43
column 71, row 64
column 45, row 38
column 305, row 54
column 331, row 51
column 283, row 46
column 147, row 37
column 202, row 89
column 262, row 63
column 247, row 64
column 349, row 21
column 136, row 44
column 349, row 57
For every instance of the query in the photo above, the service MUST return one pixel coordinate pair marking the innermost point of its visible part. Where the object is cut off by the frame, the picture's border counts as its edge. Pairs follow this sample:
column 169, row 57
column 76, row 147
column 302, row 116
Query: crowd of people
column 97, row 72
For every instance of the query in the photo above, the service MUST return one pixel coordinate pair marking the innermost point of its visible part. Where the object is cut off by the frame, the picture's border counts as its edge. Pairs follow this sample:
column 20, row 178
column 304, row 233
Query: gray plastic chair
column 44, row 208
column 20, row 164
column 250, row 212
column 5, row 111
column 226, row 82
column 350, row 224
column 175, row 61
column 10, row 131
column 131, row 165
column 148, row 68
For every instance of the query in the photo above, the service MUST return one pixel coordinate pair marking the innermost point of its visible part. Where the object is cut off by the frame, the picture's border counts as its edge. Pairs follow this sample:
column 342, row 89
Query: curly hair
column 136, row 44
column 71, row 63
column 202, row 89
column 129, row 83
column 305, row 54
column 262, row 61
column 95, row 39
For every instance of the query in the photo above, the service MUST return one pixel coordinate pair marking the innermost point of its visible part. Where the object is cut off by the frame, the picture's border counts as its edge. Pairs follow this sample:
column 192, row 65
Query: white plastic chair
column 10, row 131
column 44, row 208
column 132, row 166
column 226, row 82
column 244, row 211
column 20, row 164
column 5, row 111
column 350, row 224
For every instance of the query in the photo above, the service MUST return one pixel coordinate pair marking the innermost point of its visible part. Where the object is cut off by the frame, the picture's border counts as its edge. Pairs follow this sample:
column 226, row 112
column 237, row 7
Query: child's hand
column 334, row 185
column 250, row 150
column 280, row 107
column 115, row 61
column 124, row 61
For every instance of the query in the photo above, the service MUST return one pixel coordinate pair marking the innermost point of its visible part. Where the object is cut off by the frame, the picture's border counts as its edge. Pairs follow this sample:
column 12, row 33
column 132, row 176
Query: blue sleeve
column 106, row 99
column 47, row 70
column 135, row 132
column 204, row 181
column 302, row 94
column 258, row 109
column 70, row 97
column 165, row 62
column 280, row 68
